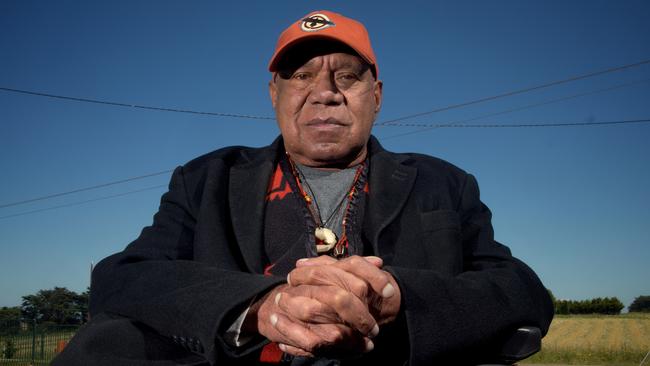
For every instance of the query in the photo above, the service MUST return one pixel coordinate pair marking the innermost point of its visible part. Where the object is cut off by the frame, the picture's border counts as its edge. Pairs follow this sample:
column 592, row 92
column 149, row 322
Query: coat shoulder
column 428, row 163
column 230, row 156
column 427, row 166
column 431, row 169
column 213, row 171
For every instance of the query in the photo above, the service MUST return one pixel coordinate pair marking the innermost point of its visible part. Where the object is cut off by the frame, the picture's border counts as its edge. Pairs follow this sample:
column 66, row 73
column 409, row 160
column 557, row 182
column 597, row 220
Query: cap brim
column 279, row 54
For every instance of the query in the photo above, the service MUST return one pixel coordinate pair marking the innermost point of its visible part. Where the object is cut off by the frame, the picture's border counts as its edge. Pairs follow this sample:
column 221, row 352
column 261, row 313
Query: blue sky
column 570, row 201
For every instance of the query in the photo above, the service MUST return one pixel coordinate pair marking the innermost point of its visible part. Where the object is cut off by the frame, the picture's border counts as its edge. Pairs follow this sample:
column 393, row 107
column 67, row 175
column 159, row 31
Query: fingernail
column 303, row 260
column 289, row 279
column 388, row 291
column 282, row 347
column 375, row 260
column 274, row 319
column 374, row 331
column 277, row 298
column 369, row 345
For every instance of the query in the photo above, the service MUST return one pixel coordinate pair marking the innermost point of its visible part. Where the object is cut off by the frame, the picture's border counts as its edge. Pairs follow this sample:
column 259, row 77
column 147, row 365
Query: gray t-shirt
column 329, row 188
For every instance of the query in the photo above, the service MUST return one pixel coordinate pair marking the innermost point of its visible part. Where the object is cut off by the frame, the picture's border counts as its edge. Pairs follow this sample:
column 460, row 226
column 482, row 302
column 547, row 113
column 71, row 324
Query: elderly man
column 322, row 248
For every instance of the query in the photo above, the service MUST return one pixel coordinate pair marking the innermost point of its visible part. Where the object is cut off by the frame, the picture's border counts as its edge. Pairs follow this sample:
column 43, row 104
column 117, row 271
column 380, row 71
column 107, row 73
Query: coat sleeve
column 464, row 317
column 157, row 281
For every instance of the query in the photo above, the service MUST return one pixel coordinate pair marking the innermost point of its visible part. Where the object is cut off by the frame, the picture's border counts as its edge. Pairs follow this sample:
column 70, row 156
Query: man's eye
column 301, row 76
column 346, row 80
column 347, row 76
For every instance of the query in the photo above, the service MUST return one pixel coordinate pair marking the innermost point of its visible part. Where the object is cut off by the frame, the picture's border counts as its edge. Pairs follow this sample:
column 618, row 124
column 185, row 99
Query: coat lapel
column 390, row 185
column 249, row 181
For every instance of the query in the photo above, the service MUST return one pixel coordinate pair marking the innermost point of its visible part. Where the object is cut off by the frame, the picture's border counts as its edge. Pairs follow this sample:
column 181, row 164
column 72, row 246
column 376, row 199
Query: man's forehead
column 315, row 51
column 338, row 60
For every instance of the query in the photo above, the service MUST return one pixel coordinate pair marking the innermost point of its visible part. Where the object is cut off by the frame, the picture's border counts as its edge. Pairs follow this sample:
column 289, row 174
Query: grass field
column 621, row 340
column 596, row 340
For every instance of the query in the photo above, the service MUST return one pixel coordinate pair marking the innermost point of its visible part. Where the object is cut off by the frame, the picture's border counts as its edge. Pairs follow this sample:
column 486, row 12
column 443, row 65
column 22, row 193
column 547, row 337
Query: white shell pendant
column 327, row 236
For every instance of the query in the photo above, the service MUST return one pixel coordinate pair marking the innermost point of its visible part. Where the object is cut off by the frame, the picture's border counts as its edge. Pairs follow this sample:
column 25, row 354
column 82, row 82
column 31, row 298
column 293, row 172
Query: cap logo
column 316, row 22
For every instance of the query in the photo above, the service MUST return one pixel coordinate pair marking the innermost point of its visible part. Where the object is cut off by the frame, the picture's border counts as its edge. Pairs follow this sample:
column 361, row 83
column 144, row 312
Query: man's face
column 325, row 108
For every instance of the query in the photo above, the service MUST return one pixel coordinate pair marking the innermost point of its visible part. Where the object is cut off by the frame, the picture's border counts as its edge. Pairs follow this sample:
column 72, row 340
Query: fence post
column 33, row 340
column 42, row 344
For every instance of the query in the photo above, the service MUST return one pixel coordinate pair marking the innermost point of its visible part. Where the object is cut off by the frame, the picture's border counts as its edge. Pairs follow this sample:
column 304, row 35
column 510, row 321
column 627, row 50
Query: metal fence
column 24, row 343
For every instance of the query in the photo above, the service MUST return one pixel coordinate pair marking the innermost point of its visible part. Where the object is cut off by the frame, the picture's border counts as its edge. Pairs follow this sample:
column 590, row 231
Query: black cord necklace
column 337, row 208
column 326, row 239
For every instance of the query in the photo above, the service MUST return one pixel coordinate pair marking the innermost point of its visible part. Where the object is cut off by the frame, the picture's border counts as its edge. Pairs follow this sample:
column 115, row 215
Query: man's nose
column 325, row 91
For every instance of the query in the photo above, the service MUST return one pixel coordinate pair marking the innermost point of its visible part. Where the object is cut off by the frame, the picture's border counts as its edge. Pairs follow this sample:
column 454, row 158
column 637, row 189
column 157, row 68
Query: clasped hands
column 328, row 307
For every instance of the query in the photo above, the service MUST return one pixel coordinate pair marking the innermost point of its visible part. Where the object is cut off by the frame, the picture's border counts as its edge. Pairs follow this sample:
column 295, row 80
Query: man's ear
column 378, row 90
column 273, row 91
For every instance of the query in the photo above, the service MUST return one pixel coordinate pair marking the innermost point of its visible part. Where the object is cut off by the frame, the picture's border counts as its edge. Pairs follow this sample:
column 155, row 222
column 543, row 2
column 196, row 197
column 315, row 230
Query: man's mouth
column 325, row 122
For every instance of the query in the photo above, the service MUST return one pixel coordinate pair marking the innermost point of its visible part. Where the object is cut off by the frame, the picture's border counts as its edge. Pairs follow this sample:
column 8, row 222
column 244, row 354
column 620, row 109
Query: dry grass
column 596, row 340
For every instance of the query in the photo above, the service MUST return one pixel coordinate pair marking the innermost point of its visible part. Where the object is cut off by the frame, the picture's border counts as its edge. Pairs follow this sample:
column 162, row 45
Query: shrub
column 9, row 349
column 640, row 304
column 599, row 305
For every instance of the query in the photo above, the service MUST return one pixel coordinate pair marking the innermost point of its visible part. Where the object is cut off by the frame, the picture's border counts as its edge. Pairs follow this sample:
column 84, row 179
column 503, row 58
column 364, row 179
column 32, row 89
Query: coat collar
column 249, row 180
column 390, row 180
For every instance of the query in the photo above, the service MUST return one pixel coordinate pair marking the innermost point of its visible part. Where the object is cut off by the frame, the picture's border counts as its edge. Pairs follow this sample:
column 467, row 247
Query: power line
column 84, row 189
column 503, row 125
column 384, row 123
column 117, row 104
column 82, row 202
column 557, row 124
column 519, row 125
column 449, row 107
column 431, row 126
column 520, row 91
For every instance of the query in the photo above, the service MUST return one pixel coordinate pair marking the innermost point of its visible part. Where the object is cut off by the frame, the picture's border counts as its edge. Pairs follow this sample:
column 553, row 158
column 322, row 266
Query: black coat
column 173, row 291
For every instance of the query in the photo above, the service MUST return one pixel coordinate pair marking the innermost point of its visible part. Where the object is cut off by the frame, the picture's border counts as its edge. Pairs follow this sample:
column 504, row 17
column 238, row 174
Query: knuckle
column 313, row 274
column 360, row 288
column 308, row 310
column 313, row 344
column 381, row 280
column 365, row 324
column 335, row 336
column 384, row 276
column 355, row 260
column 341, row 299
column 309, row 346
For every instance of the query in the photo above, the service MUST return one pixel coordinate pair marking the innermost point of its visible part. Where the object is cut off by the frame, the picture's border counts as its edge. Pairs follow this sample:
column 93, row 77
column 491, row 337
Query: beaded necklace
column 326, row 240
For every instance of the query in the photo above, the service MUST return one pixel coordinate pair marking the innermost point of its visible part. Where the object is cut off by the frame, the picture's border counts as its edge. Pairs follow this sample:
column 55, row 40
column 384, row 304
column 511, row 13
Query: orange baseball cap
column 329, row 25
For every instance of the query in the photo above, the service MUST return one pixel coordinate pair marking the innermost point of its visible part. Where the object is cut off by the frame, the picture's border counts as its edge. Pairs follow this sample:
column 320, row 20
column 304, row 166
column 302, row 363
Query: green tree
column 640, row 304
column 83, row 299
column 9, row 313
column 9, row 320
column 598, row 305
column 58, row 305
column 611, row 306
